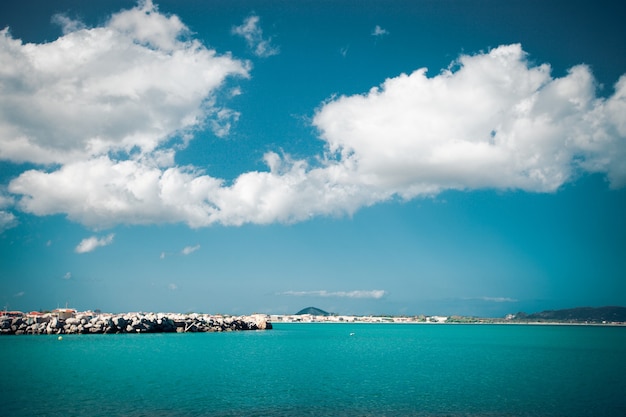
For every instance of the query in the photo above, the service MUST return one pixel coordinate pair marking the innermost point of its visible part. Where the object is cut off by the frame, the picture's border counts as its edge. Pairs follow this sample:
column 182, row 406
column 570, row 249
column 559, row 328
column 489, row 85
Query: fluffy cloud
column 91, row 243
column 253, row 34
column 139, row 192
column 376, row 294
column 130, row 86
column 494, row 122
column 491, row 120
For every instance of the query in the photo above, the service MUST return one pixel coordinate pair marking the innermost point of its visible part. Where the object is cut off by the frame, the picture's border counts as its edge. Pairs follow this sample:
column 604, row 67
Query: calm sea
column 321, row 370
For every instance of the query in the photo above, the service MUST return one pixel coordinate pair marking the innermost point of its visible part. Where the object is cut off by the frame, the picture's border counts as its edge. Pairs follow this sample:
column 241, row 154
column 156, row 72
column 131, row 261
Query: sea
column 321, row 369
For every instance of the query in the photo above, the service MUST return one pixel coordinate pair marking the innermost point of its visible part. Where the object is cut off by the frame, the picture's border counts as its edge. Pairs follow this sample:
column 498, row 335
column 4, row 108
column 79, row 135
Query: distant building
column 64, row 313
column 36, row 317
column 13, row 313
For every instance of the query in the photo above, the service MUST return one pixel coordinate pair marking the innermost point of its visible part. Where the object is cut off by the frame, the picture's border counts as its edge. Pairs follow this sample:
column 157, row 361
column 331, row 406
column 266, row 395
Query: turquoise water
column 321, row 370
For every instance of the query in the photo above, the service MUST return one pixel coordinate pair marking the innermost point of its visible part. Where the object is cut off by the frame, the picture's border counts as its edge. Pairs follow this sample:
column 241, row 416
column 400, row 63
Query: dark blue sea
column 321, row 370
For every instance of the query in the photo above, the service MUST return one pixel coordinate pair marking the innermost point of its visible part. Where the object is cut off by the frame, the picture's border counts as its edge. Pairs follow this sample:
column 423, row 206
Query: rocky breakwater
column 131, row 323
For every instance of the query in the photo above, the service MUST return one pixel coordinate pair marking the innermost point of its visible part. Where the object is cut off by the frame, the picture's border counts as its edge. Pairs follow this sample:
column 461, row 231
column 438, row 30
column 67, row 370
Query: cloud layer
column 111, row 106
column 375, row 294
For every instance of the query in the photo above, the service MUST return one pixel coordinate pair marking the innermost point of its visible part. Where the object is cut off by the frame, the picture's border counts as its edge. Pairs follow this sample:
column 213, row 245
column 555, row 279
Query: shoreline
column 67, row 321
column 428, row 320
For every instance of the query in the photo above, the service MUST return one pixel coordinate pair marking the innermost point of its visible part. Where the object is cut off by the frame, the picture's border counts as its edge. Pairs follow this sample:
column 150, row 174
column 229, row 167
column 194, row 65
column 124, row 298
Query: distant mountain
column 314, row 311
column 580, row 314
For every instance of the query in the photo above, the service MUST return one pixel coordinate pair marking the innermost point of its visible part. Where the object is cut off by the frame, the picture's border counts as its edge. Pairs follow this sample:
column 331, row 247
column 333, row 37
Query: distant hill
column 314, row 311
column 580, row 314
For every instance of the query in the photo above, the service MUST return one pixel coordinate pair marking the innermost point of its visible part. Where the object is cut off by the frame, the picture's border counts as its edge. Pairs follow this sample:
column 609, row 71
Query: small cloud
column 253, row 35
column 376, row 294
column 162, row 255
column 222, row 121
column 6, row 200
column 91, row 243
column 344, row 51
column 19, row 294
column 67, row 24
column 172, row 287
column 378, row 31
column 190, row 249
column 500, row 299
column 7, row 220
column 68, row 275
column 494, row 299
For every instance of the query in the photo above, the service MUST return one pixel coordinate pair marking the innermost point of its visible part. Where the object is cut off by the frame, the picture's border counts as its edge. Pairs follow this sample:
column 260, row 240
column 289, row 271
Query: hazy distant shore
column 307, row 318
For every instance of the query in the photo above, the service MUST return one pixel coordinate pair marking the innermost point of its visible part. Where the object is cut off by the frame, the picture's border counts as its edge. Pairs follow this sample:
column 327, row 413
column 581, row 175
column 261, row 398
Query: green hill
column 580, row 314
column 314, row 311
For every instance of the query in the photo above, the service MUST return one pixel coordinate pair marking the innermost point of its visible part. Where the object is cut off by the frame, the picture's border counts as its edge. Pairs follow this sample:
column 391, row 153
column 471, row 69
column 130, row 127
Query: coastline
column 68, row 321
column 429, row 320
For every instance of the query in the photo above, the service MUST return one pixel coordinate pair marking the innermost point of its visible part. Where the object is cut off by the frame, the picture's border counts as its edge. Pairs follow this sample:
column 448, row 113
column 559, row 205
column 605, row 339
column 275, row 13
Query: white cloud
column 378, row 31
column 7, row 220
column 91, row 243
column 129, row 86
column 253, row 35
column 499, row 299
column 136, row 192
column 376, row 294
column 162, row 255
column 494, row 121
column 68, row 275
column 172, row 287
column 187, row 250
column 67, row 24
column 19, row 294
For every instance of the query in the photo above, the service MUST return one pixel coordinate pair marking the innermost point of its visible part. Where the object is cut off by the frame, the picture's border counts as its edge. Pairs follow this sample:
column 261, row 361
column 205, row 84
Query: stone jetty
column 130, row 323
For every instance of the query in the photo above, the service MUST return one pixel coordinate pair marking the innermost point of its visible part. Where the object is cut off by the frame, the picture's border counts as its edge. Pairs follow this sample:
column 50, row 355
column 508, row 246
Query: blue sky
column 364, row 157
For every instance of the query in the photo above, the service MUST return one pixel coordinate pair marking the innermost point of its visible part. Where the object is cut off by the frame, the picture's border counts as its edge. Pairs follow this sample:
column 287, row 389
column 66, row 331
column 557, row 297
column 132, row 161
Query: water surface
column 321, row 370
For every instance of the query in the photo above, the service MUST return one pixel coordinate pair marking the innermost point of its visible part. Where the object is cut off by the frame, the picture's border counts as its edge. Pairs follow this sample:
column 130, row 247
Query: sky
column 397, row 157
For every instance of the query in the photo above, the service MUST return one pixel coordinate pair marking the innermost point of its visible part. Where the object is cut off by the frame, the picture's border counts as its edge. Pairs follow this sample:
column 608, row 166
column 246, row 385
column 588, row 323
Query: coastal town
column 310, row 318
column 421, row 319
column 582, row 315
